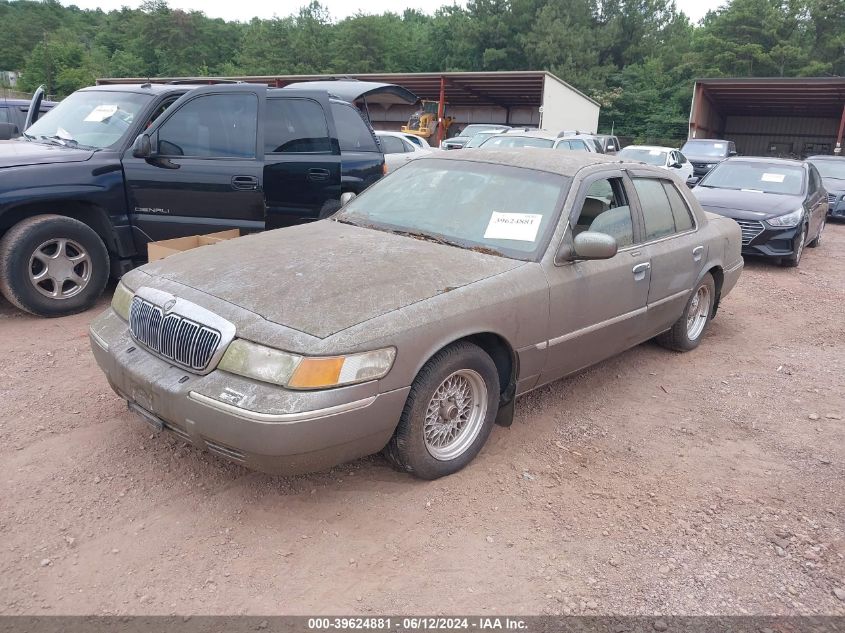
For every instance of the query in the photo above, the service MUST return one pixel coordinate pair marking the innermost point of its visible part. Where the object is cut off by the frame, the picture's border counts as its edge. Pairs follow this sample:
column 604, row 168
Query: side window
column 605, row 210
column 392, row 145
column 657, row 212
column 5, row 116
column 296, row 126
column 814, row 179
column 680, row 211
column 683, row 158
column 353, row 132
column 160, row 109
column 212, row 126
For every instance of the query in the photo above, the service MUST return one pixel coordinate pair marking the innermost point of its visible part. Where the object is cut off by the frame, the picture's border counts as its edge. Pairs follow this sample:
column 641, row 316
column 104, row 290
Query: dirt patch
column 701, row 483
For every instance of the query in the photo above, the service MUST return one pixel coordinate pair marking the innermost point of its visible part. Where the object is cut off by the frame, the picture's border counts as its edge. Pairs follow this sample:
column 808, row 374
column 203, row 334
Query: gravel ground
column 654, row 483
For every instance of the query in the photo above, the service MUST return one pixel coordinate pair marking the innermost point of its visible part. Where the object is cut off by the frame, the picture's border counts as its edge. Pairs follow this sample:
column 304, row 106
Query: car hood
column 19, row 153
column 833, row 185
column 746, row 205
column 323, row 277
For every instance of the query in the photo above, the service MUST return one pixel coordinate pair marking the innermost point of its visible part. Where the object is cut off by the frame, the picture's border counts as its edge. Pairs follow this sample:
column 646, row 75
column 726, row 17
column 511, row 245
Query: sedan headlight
column 304, row 372
column 121, row 300
column 788, row 220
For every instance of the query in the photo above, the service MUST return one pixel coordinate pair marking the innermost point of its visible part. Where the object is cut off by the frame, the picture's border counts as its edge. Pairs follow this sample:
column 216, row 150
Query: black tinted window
column 296, row 126
column 814, row 179
column 5, row 115
column 657, row 212
column 352, row 131
column 392, row 145
column 212, row 126
column 680, row 210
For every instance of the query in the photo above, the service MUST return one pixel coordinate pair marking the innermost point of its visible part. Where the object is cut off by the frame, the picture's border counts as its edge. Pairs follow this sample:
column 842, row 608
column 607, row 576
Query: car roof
column 708, row 140
column 786, row 162
column 540, row 159
column 149, row 88
column 825, row 157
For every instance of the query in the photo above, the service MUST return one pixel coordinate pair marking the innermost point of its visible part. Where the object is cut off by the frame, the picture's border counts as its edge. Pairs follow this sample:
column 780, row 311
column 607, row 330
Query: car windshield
column 496, row 209
column 475, row 128
column 716, row 149
column 831, row 168
column 644, row 154
column 765, row 177
column 90, row 118
column 517, row 141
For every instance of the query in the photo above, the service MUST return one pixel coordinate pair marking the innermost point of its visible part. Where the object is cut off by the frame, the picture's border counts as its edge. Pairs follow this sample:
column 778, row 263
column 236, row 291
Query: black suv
column 114, row 167
column 706, row 153
column 13, row 116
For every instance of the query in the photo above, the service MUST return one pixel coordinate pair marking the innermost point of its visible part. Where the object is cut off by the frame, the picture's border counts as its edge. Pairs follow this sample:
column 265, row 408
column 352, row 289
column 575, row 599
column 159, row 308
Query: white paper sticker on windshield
column 719, row 145
column 513, row 226
column 773, row 177
column 101, row 113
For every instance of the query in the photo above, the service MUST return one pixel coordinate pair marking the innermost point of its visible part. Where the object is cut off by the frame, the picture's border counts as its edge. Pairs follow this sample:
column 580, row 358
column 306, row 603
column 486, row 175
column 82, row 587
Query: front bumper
column 773, row 242
column 836, row 206
column 261, row 426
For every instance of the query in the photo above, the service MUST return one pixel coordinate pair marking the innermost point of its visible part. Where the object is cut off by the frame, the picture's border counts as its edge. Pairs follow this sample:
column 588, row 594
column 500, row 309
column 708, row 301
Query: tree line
column 638, row 58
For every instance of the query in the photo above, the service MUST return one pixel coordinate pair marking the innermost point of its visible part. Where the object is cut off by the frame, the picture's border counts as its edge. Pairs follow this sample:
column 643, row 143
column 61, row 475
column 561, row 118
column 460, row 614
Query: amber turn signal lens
column 314, row 373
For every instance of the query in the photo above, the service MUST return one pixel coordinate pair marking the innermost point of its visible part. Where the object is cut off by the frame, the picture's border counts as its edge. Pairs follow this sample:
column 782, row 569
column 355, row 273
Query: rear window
column 353, row 132
column 296, row 126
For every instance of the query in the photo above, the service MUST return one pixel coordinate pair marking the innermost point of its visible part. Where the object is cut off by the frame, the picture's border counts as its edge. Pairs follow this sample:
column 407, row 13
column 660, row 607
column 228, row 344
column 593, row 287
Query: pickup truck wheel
column 449, row 414
column 688, row 331
column 52, row 265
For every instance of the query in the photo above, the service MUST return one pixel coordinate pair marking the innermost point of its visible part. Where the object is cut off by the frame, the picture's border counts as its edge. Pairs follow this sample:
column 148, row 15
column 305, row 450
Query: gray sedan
column 411, row 320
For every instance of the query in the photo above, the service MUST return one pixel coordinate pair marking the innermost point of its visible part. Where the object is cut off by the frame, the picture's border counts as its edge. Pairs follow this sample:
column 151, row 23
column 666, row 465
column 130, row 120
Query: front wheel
column 449, row 414
column 52, row 265
column 817, row 242
column 688, row 331
column 793, row 260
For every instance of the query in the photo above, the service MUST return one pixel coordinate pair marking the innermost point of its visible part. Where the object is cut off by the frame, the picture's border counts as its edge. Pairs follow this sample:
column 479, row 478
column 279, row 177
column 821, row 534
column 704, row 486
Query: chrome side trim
column 671, row 297
column 597, row 326
column 256, row 416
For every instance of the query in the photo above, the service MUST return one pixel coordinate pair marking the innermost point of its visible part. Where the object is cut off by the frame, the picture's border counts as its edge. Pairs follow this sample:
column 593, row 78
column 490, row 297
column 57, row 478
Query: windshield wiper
column 65, row 142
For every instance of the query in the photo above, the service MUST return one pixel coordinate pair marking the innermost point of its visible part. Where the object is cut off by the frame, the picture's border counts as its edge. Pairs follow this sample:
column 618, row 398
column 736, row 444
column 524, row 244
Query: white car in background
column 399, row 148
column 666, row 157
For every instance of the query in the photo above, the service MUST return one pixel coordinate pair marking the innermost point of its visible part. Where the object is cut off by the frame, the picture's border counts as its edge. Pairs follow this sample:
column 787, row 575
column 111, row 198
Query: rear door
column 301, row 160
column 672, row 246
column 206, row 171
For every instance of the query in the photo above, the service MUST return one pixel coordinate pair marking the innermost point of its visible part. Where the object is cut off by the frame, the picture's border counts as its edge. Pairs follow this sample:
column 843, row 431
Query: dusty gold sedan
column 411, row 320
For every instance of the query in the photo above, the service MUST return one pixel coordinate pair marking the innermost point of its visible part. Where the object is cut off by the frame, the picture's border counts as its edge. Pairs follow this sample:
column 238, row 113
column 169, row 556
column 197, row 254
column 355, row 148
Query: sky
column 244, row 10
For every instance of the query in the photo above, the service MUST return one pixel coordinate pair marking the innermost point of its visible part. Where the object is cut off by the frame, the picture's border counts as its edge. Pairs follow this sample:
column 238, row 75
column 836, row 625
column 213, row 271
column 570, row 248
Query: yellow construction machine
column 423, row 122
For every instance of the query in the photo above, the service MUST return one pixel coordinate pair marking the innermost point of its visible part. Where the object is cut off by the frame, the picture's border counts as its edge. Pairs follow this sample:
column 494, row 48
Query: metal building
column 520, row 98
column 771, row 116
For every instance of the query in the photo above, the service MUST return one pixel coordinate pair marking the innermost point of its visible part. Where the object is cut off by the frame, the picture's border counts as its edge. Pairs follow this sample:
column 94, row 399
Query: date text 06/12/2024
column 415, row 624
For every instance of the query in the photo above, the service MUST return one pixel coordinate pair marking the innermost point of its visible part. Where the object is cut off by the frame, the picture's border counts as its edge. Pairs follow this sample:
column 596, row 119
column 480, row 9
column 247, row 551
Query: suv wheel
column 52, row 265
column 449, row 413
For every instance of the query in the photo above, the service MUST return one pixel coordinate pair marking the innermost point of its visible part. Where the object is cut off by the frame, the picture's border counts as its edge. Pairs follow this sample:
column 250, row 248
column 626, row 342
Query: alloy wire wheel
column 686, row 333
column 698, row 312
column 60, row 268
column 455, row 414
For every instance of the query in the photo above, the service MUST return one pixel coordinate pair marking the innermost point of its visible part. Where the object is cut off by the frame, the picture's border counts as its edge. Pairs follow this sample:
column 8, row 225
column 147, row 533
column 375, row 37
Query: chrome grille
column 831, row 198
column 750, row 229
column 172, row 335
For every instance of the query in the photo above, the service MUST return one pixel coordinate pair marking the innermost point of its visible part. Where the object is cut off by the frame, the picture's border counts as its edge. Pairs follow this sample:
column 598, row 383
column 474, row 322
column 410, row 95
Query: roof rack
column 199, row 80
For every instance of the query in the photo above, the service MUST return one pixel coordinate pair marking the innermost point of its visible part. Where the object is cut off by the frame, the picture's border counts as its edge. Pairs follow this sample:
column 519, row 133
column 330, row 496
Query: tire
column 817, row 242
column 793, row 260
column 79, row 257
column 687, row 332
column 461, row 366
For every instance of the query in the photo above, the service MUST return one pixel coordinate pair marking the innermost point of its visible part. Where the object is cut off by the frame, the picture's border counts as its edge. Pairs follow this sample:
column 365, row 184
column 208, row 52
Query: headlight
column 790, row 219
column 121, row 300
column 304, row 372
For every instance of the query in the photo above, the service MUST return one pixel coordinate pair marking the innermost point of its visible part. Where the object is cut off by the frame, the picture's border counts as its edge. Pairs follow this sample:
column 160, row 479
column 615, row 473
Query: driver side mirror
column 142, row 147
column 346, row 198
column 675, row 165
column 692, row 181
column 588, row 245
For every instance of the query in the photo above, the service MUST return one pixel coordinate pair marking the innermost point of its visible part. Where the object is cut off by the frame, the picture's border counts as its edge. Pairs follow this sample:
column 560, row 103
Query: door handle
column 317, row 174
column 696, row 253
column 245, row 183
column 640, row 270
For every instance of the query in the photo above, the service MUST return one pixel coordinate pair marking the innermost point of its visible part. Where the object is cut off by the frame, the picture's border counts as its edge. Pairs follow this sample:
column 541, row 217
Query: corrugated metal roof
column 773, row 96
column 505, row 89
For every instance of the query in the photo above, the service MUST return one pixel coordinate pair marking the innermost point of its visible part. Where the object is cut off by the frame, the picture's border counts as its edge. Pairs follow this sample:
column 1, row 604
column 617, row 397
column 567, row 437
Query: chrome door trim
column 592, row 328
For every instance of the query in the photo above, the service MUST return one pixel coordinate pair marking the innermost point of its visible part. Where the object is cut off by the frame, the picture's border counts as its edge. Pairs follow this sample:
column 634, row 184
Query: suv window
column 605, row 210
column 212, row 126
column 5, row 116
column 680, row 211
column 296, row 126
column 392, row 145
column 352, row 131
column 657, row 211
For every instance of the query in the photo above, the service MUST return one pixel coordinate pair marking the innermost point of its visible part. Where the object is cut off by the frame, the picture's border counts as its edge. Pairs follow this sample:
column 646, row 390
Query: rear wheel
column 688, row 331
column 52, row 265
column 449, row 413
column 793, row 260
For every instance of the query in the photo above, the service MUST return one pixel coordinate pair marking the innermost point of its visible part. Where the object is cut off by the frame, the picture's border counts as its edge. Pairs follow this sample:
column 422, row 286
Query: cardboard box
column 160, row 250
